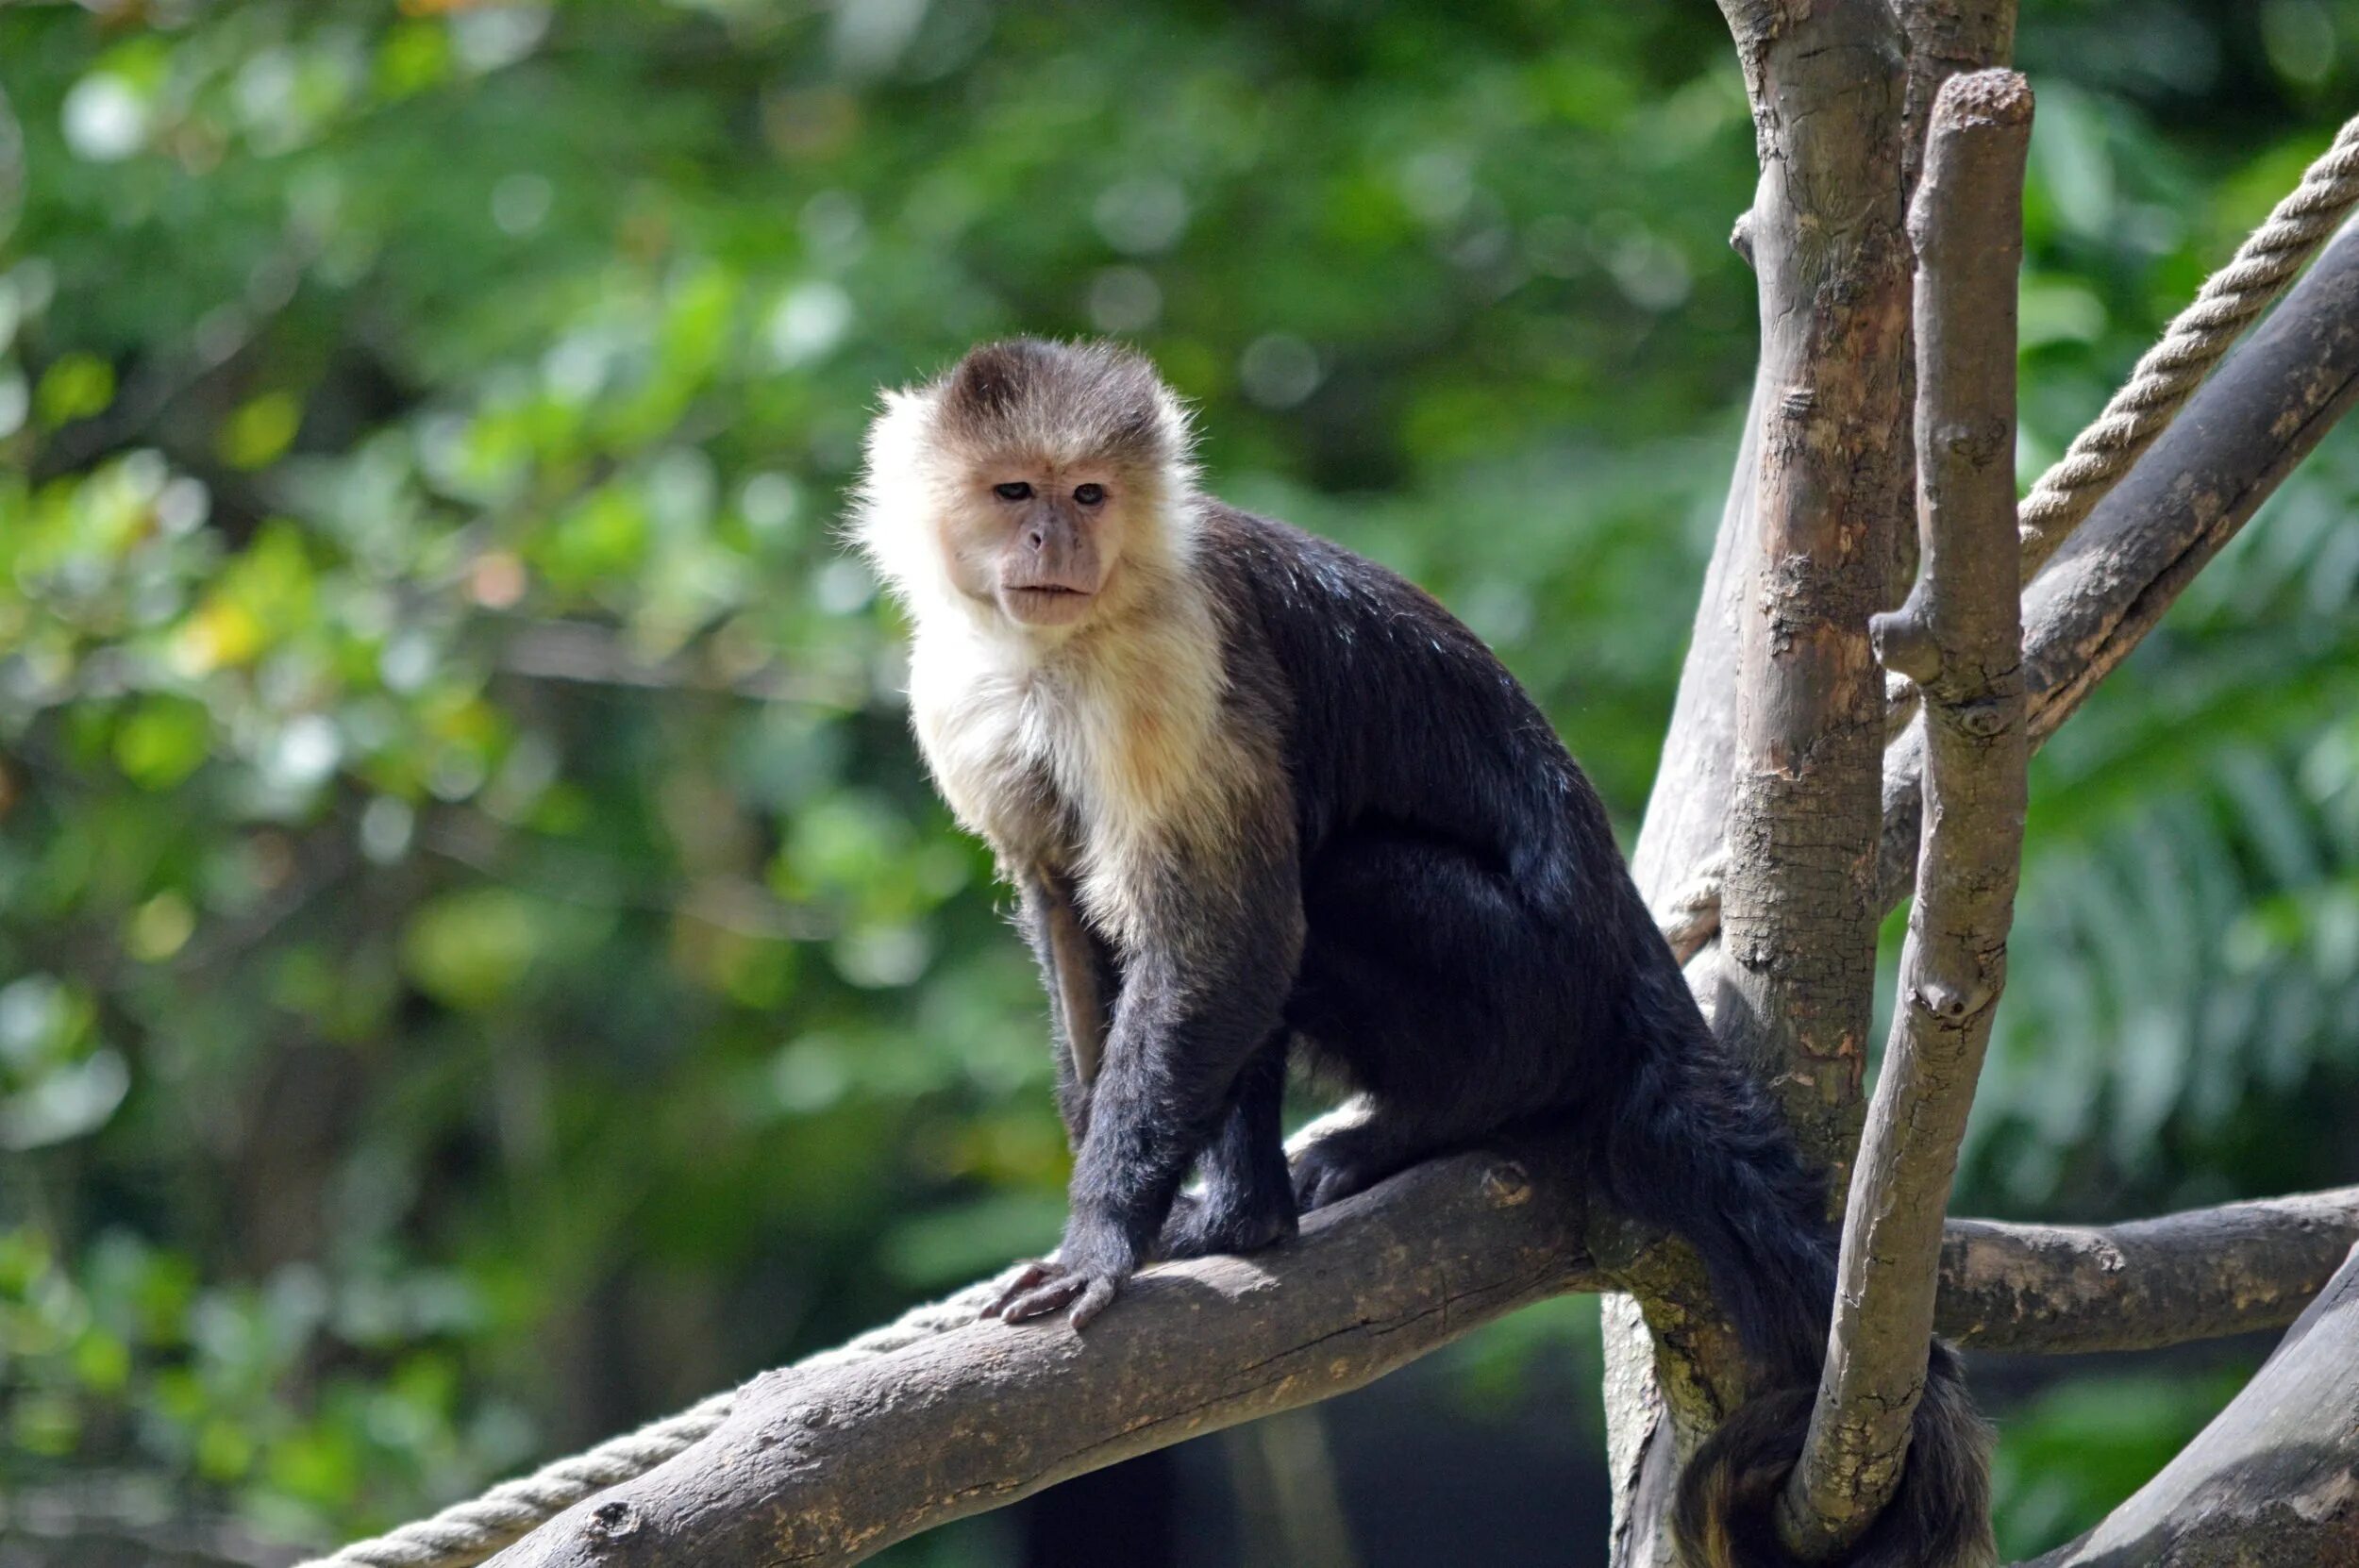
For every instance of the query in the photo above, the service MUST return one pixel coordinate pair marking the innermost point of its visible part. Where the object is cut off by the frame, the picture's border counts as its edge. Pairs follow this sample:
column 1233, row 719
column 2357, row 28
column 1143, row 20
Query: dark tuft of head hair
column 1098, row 399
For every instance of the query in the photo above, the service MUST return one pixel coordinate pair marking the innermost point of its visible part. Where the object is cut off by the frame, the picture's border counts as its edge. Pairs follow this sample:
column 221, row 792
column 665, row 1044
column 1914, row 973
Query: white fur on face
column 903, row 491
column 909, row 486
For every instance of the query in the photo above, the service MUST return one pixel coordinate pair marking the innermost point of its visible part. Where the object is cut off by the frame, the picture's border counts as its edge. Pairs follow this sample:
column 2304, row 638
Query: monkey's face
column 1042, row 542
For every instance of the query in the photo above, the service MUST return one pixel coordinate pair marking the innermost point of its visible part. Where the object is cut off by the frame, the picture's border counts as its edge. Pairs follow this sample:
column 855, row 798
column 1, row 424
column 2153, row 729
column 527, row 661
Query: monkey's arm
column 1077, row 971
column 1195, row 1007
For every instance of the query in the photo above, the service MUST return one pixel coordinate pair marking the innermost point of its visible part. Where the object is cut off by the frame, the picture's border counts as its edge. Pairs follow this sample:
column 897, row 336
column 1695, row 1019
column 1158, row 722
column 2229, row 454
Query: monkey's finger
column 1094, row 1299
column 1046, row 1299
column 1028, row 1277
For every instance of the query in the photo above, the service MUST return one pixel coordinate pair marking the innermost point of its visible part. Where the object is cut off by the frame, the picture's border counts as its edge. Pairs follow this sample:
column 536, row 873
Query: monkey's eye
column 1014, row 490
column 1089, row 495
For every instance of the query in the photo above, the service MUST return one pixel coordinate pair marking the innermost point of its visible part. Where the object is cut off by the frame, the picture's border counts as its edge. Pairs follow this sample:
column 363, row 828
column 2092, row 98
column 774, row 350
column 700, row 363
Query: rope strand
column 2229, row 301
column 466, row 1533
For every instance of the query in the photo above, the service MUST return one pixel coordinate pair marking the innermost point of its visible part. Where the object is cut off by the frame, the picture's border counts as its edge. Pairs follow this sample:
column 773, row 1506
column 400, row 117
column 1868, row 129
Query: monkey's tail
column 1697, row 1147
column 1725, row 1513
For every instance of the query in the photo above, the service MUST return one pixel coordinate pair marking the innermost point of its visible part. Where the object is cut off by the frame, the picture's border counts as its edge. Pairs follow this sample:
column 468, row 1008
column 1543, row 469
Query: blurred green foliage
column 479, row 961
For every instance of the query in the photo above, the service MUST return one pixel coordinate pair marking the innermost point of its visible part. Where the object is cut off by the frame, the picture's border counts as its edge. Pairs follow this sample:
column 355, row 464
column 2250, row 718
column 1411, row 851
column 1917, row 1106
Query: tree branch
column 1687, row 813
column 1798, row 915
column 2201, row 1275
column 581, row 653
column 1674, row 859
column 2263, row 410
column 825, row 1464
column 826, row 1468
column 2273, row 1481
column 1960, row 637
column 1947, row 37
column 1681, row 858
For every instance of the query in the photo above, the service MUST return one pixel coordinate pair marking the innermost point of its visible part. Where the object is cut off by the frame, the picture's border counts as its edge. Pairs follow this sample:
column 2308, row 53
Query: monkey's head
column 1036, row 482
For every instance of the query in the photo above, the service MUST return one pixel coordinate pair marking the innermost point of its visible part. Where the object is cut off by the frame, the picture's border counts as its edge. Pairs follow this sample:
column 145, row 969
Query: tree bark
column 1946, row 39
column 1798, row 907
column 2273, row 1481
column 1960, row 638
column 1686, row 817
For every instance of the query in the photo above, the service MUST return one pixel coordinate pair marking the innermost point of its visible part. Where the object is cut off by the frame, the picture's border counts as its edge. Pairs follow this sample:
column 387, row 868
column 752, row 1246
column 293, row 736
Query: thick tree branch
column 831, row 1462
column 1798, row 915
column 2261, row 413
column 1687, row 814
column 1960, row 638
column 1823, row 453
column 827, row 1468
column 2205, row 1274
column 2273, row 1481
column 1676, row 858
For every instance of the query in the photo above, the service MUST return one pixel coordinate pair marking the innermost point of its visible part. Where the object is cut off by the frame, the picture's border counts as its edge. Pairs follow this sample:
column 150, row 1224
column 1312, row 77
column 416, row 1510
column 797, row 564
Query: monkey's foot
column 1046, row 1286
column 1342, row 1164
column 1215, row 1225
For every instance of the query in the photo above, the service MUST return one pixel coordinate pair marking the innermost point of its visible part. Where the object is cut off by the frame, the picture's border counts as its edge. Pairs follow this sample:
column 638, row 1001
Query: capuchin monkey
column 1261, row 798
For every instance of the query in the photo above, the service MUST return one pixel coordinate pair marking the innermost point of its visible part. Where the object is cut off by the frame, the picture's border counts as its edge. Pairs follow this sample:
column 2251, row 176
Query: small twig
column 734, row 904
column 1960, row 637
column 582, row 653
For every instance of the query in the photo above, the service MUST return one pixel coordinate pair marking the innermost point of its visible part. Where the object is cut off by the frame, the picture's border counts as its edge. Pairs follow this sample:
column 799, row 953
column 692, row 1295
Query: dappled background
column 479, row 965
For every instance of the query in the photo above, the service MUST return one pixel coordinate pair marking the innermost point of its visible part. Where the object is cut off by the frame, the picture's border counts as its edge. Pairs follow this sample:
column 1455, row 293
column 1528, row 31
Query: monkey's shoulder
column 1320, row 599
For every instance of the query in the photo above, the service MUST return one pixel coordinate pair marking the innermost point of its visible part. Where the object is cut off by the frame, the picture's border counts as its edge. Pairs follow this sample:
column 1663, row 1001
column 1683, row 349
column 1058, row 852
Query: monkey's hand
column 1084, row 1274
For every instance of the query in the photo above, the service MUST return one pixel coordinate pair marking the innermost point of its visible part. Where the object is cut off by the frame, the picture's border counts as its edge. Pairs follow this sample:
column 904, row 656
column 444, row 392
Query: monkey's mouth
column 1046, row 604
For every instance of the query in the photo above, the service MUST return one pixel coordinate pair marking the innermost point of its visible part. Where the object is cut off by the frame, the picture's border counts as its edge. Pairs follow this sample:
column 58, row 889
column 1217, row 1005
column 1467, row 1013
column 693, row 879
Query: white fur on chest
column 1105, row 757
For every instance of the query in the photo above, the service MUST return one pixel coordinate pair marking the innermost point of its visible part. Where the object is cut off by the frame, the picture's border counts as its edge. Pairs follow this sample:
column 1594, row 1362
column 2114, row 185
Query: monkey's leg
column 1351, row 1159
column 1442, row 990
column 1249, row 1198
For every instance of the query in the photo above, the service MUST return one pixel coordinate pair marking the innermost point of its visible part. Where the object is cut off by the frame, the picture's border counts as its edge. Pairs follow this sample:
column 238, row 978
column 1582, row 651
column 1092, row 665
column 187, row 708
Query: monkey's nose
column 1037, row 539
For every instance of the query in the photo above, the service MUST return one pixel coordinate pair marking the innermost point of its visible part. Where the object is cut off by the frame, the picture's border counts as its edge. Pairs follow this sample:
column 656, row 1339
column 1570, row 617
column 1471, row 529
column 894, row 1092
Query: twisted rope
column 2171, row 370
column 465, row 1533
